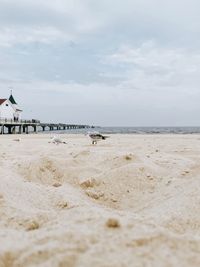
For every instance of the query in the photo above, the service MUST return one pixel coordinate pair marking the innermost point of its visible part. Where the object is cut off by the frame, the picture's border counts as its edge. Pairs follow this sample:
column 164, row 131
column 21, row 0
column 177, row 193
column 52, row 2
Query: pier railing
column 5, row 120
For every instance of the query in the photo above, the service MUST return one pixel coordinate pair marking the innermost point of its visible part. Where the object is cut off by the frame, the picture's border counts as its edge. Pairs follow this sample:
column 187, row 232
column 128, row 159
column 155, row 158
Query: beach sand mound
column 132, row 200
column 44, row 171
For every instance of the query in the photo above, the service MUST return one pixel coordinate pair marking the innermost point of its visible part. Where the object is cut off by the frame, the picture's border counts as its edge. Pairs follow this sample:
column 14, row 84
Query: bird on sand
column 56, row 140
column 96, row 136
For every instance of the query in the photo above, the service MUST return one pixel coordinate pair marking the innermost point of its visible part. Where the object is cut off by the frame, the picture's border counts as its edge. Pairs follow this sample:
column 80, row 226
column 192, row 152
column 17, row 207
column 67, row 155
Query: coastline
column 130, row 199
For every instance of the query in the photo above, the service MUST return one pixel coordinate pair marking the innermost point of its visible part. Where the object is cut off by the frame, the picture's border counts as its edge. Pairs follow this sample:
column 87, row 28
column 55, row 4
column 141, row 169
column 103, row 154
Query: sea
column 134, row 130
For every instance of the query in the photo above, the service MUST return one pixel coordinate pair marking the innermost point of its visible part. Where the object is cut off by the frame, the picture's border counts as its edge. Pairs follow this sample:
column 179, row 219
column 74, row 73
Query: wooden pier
column 34, row 126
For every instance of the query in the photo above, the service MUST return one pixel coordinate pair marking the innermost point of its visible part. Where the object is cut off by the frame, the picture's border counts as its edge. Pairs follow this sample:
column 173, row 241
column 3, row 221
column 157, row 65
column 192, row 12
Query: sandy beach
column 132, row 200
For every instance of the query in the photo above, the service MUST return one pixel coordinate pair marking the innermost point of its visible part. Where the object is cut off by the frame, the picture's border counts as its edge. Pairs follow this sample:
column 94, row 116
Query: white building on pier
column 9, row 109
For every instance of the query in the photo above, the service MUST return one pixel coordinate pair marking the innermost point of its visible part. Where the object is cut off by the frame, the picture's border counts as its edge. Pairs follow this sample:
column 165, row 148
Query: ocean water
column 136, row 130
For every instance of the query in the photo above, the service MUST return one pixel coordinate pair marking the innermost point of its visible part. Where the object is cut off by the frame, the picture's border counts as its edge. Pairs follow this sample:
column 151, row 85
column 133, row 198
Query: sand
column 132, row 200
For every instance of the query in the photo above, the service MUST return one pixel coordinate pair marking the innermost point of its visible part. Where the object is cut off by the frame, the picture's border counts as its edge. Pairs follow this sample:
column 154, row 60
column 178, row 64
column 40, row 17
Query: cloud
column 11, row 36
column 44, row 22
column 156, row 67
column 132, row 62
column 138, row 19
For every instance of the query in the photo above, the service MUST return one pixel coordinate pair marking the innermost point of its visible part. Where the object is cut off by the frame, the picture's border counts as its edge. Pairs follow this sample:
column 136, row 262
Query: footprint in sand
column 112, row 223
column 57, row 184
column 88, row 185
column 94, row 194
column 128, row 157
column 62, row 204
column 91, row 182
column 32, row 225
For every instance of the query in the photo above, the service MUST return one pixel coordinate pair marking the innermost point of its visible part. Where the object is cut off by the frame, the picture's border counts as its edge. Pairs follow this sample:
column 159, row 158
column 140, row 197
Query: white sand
column 129, row 201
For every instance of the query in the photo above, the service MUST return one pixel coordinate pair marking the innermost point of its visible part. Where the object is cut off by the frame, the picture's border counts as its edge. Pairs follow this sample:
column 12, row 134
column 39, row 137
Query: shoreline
column 124, row 130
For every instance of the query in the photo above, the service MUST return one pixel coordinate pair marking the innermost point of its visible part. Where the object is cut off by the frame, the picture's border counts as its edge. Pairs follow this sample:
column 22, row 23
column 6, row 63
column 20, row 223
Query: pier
column 26, row 126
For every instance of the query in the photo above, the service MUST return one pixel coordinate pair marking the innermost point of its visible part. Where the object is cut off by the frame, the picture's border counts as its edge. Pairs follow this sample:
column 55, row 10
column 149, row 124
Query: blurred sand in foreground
column 132, row 200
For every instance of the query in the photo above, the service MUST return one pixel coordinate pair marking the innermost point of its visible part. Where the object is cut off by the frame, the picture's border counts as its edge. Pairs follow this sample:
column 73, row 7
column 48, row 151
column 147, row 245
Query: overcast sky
column 102, row 62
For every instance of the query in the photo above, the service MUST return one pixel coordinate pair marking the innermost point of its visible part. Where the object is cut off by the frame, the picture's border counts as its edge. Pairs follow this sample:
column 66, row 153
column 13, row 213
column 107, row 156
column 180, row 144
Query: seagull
column 17, row 140
column 96, row 136
column 56, row 140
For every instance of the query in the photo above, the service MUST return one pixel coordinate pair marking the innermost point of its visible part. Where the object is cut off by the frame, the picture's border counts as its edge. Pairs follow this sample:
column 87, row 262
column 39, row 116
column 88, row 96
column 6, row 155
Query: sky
column 107, row 63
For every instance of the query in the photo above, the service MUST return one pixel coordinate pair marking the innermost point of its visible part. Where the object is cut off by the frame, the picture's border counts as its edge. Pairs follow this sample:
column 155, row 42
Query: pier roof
column 2, row 100
column 12, row 100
